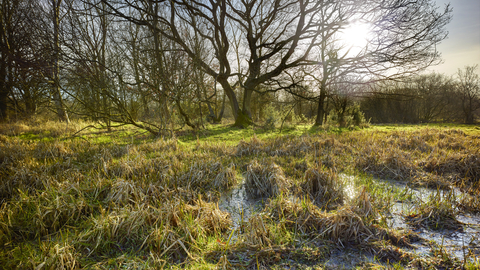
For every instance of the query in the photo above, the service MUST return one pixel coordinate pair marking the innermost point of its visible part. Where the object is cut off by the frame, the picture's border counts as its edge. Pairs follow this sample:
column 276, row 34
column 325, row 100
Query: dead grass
column 385, row 162
column 464, row 167
column 469, row 202
column 253, row 147
column 323, row 186
column 208, row 176
column 437, row 212
column 265, row 180
column 349, row 224
column 430, row 180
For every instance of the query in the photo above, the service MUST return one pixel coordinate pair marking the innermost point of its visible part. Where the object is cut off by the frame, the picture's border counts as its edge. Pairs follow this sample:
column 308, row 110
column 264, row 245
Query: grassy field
column 76, row 198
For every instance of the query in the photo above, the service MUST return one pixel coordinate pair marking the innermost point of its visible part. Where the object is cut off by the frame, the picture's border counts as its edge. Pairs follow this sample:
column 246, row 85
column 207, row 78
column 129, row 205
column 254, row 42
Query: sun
column 355, row 36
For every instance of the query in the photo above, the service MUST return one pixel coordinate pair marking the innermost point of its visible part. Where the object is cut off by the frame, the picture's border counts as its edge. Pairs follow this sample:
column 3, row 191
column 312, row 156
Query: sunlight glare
column 356, row 35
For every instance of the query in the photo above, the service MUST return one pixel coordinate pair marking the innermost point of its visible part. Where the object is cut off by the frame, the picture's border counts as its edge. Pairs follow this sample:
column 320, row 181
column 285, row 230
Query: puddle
column 458, row 243
column 240, row 205
column 349, row 259
column 349, row 184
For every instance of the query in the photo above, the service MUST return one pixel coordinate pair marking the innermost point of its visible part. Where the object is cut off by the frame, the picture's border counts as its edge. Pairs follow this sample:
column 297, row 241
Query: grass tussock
column 469, row 203
column 437, row 212
column 254, row 147
column 323, row 186
column 349, row 224
column 462, row 167
column 209, row 176
column 117, row 230
column 384, row 162
column 265, row 180
column 430, row 180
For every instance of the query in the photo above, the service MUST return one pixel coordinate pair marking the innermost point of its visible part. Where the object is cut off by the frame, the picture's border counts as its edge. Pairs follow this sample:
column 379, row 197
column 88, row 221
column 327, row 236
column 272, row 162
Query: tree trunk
column 3, row 102
column 57, row 97
column 247, row 102
column 220, row 115
column 231, row 97
column 184, row 115
column 321, row 106
column 4, row 89
column 244, row 117
column 469, row 117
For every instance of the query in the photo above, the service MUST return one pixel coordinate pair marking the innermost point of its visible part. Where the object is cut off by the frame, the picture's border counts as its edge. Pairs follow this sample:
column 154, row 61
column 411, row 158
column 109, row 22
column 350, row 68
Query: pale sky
column 462, row 47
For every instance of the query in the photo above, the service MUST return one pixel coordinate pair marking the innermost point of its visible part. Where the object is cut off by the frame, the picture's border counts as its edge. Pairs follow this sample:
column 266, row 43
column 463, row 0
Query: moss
column 243, row 120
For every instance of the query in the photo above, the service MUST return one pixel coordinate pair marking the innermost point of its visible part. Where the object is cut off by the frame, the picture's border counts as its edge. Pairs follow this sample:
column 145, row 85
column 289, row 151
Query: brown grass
column 350, row 223
column 265, row 180
column 438, row 212
column 385, row 162
column 323, row 186
column 254, row 147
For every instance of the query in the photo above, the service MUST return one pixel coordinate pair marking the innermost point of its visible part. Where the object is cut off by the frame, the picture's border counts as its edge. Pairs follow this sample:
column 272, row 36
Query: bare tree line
column 157, row 64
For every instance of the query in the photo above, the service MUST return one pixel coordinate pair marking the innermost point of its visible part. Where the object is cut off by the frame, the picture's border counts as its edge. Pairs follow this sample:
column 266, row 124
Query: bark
column 3, row 74
column 184, row 115
column 57, row 97
column 321, row 108
column 231, row 96
column 3, row 102
column 247, row 102
column 4, row 89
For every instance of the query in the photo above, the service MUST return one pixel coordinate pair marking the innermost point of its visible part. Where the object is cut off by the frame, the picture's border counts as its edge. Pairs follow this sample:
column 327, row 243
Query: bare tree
column 433, row 95
column 402, row 41
column 276, row 36
column 256, row 42
column 24, row 57
column 469, row 91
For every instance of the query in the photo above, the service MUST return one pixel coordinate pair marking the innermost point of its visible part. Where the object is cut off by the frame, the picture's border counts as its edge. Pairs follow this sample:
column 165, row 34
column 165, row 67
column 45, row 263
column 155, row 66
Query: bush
column 272, row 117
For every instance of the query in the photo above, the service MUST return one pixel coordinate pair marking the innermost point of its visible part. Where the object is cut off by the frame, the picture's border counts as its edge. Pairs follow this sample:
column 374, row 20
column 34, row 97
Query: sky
column 462, row 47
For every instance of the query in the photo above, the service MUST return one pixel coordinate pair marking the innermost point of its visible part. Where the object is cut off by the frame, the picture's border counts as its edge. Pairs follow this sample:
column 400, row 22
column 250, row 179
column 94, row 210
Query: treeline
column 161, row 65
column 426, row 98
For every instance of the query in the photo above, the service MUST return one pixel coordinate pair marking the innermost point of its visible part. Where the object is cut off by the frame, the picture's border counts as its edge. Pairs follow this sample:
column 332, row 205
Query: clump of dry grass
column 423, row 179
column 257, row 232
column 39, row 127
column 27, row 179
column 123, row 192
column 323, row 186
column 167, row 242
column 179, row 225
column 438, row 212
column 208, row 176
column 469, row 203
column 462, row 166
column 58, row 256
column 265, row 180
column 350, row 223
column 292, row 146
column 116, row 230
column 209, row 216
column 46, row 212
column 254, row 147
column 385, row 162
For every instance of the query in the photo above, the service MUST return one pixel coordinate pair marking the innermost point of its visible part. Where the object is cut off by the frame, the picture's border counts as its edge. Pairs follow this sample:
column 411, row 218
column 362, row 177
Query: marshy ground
column 402, row 197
